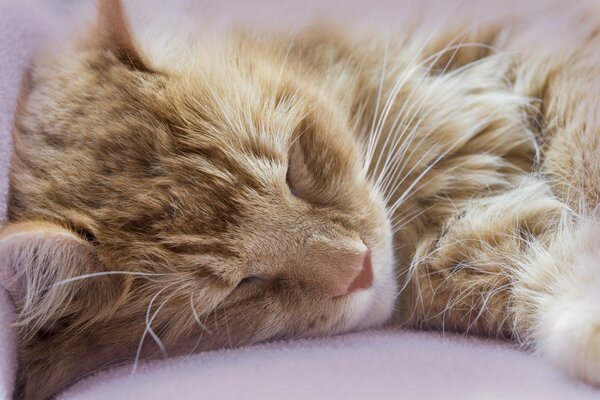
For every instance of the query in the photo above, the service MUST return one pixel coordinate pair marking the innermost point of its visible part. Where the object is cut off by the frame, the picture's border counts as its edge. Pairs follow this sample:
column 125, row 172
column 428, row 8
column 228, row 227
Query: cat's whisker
column 398, row 225
column 456, row 166
column 389, row 176
column 398, row 153
column 101, row 274
column 202, row 331
column 398, row 247
column 400, row 81
column 431, row 165
column 435, row 57
column 374, row 137
column 283, row 64
column 397, row 138
column 432, row 60
column 197, row 317
column 397, row 184
column 153, row 334
column 376, row 132
column 148, row 328
column 394, row 93
column 392, row 209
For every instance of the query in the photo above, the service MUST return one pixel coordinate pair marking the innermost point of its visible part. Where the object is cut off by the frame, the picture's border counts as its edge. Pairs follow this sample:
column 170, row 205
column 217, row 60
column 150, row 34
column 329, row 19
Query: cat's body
column 483, row 140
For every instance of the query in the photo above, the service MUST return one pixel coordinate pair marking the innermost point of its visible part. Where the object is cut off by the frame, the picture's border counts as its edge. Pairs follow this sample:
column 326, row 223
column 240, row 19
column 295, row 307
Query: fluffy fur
column 163, row 205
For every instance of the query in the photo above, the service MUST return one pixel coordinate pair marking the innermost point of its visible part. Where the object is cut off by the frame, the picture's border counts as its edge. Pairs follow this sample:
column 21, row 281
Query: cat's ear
column 115, row 35
column 44, row 268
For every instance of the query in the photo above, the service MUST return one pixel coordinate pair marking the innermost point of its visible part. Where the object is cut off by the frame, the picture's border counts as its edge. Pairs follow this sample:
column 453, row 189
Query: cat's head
column 227, row 200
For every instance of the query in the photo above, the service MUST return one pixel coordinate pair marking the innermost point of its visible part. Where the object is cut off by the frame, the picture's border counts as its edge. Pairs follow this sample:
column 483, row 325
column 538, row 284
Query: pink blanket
column 386, row 364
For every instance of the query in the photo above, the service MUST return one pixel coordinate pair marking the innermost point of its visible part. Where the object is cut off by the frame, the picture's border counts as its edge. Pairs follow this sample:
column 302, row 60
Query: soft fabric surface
column 387, row 364
column 21, row 27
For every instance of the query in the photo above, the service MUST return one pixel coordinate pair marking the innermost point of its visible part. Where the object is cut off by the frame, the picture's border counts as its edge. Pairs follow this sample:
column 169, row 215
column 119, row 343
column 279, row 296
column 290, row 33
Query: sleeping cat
column 268, row 187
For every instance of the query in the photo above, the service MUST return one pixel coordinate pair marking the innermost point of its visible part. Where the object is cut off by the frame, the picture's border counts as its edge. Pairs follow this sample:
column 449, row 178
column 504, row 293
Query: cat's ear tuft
column 115, row 35
column 42, row 266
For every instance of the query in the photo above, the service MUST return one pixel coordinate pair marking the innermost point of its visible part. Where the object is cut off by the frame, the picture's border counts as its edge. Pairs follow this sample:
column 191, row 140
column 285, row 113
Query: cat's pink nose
column 337, row 271
column 364, row 279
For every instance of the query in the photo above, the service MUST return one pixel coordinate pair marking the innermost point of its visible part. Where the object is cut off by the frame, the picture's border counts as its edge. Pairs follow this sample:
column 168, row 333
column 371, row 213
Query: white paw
column 573, row 342
column 568, row 334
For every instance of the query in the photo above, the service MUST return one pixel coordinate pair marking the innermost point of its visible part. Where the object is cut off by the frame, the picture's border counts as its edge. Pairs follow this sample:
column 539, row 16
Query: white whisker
column 98, row 274
column 148, row 328
column 197, row 317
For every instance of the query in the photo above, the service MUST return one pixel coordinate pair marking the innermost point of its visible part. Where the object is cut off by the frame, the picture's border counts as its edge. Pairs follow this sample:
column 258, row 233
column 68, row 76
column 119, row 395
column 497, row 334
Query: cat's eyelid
column 290, row 185
column 252, row 280
column 293, row 184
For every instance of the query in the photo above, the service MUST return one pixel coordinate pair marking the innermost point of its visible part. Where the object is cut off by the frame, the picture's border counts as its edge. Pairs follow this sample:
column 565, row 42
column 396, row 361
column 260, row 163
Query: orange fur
column 160, row 208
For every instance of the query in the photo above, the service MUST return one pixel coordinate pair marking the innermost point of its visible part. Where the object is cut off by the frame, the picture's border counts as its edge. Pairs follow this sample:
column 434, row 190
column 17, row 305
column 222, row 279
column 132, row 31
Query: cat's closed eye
column 302, row 179
column 296, row 176
column 252, row 281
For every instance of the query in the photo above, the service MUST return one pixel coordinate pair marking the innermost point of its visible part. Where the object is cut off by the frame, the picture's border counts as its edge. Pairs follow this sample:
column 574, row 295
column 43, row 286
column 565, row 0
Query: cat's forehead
column 240, row 114
column 242, row 98
column 252, row 111
column 228, row 106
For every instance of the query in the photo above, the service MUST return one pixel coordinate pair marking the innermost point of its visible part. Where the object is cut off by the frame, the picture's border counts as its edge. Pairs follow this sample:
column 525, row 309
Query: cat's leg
column 519, row 264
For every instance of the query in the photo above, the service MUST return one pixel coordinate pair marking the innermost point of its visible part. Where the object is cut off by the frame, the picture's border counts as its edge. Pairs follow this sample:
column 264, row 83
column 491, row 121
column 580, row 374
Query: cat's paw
column 568, row 333
column 572, row 341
